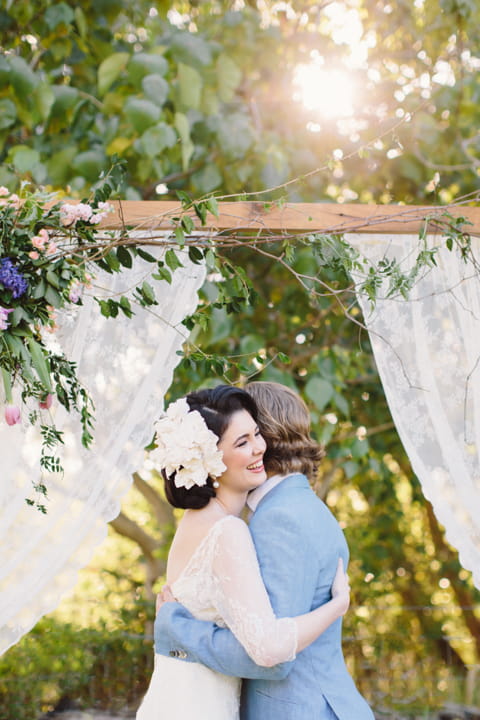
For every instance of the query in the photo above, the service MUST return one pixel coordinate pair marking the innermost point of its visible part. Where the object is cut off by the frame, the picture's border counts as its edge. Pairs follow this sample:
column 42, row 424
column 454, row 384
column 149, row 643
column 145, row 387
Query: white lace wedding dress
column 221, row 583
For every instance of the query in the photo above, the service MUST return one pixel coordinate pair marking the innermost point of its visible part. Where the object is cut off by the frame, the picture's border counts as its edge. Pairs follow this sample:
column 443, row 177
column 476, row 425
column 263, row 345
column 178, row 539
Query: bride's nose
column 260, row 445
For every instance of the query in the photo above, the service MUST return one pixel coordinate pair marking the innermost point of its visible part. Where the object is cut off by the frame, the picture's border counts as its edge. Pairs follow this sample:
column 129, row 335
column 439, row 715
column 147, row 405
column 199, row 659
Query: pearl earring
column 216, row 484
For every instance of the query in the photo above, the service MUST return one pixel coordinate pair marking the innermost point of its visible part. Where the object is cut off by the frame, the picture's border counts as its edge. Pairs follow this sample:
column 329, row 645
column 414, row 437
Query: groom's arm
column 290, row 582
column 178, row 634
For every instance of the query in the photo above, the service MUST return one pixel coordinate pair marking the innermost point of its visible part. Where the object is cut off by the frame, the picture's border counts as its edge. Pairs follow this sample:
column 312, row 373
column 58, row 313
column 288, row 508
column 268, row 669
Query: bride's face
column 243, row 448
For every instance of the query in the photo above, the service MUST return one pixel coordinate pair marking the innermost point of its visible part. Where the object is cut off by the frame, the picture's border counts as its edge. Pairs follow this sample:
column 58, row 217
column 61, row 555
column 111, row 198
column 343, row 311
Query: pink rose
column 12, row 414
column 34, row 255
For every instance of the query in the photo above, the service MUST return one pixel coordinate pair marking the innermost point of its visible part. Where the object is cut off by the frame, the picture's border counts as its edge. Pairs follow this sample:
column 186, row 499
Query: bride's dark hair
column 216, row 406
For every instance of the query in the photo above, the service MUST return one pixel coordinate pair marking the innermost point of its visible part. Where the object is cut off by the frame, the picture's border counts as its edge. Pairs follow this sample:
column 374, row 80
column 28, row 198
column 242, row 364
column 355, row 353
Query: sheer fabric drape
column 427, row 350
column 127, row 367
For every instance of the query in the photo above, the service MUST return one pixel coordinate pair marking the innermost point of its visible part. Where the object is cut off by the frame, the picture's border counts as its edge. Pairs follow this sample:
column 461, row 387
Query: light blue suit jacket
column 298, row 543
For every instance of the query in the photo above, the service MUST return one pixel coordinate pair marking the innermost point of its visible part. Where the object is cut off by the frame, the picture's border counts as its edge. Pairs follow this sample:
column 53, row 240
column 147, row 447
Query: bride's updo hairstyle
column 216, row 406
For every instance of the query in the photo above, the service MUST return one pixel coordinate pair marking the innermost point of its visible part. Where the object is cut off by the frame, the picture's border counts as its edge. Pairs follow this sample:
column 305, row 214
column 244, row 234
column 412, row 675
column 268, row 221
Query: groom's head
column 284, row 422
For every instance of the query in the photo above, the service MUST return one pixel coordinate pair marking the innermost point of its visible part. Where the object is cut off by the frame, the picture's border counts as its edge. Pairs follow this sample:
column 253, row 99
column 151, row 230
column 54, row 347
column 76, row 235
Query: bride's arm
column 243, row 602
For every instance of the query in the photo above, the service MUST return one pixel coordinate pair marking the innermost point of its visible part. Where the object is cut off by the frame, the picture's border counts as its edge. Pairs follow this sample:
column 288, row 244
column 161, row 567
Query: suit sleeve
column 288, row 583
column 179, row 634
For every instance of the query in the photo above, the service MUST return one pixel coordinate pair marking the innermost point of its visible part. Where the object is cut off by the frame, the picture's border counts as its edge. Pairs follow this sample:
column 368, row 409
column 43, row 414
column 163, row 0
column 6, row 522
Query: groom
column 298, row 542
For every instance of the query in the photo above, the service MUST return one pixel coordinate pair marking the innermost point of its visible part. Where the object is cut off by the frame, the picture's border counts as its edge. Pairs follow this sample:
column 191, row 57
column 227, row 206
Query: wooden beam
column 295, row 217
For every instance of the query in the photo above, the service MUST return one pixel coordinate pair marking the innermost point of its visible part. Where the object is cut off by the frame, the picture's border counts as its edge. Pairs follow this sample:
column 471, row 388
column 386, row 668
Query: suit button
column 182, row 654
column 173, row 653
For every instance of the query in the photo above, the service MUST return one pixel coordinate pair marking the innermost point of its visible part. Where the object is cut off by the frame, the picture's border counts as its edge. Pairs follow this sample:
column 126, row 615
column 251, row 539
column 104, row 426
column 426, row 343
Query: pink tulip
column 12, row 414
column 47, row 403
column 4, row 313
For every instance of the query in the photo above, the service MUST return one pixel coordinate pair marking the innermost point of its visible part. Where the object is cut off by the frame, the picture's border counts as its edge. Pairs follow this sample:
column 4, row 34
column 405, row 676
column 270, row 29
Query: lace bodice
column 222, row 583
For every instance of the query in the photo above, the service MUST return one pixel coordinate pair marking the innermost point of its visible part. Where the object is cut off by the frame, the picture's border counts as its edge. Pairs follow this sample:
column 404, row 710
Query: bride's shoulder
column 233, row 529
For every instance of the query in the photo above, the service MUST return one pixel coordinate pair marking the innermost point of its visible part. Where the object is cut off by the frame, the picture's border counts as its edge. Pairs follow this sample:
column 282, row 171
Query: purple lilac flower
column 11, row 278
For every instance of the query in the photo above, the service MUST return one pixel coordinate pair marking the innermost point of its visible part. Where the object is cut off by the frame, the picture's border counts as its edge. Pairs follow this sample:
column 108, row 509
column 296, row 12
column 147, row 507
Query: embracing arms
column 245, row 606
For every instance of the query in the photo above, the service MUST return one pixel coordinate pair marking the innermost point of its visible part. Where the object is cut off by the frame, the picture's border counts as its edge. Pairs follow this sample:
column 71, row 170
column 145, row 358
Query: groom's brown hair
column 284, row 422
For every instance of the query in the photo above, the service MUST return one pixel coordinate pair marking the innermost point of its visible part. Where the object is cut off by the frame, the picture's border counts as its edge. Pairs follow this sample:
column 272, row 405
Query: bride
column 211, row 454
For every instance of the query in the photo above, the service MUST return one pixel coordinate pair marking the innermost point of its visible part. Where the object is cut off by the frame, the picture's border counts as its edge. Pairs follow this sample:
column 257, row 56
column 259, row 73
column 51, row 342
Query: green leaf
column 104, row 307
column 59, row 14
column 142, row 64
column 15, row 345
column 235, row 136
column 146, row 256
column 359, row 448
column 195, row 255
column 189, row 86
column 229, row 77
column 341, row 403
column 8, row 113
column 187, row 224
column 22, row 77
column 43, row 99
column 319, row 391
column 126, row 306
column 190, row 48
column 40, row 363
column 183, row 128
column 180, row 236
column 162, row 274
column 112, row 261
column 212, row 206
column 53, row 279
column 53, row 297
column 142, row 114
column 207, row 179
column 156, row 89
column 157, row 138
column 172, row 260
column 110, row 69
column 90, row 164
column 24, row 158
column 81, row 21
column 124, row 257
column 148, row 292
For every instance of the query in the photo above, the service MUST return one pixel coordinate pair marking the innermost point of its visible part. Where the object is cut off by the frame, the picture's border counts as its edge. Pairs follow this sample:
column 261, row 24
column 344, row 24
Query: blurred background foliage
column 352, row 101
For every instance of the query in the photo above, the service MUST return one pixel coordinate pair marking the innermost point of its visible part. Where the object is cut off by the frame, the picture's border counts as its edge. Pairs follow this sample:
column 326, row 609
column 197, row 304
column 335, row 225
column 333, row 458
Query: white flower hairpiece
column 186, row 446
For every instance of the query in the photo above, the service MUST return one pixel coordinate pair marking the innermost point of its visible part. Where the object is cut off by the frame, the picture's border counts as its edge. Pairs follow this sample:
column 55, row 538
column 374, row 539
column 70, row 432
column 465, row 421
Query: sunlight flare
column 331, row 93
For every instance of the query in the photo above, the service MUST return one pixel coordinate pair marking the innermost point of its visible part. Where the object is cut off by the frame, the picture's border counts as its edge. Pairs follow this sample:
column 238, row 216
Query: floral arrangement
column 185, row 446
column 45, row 257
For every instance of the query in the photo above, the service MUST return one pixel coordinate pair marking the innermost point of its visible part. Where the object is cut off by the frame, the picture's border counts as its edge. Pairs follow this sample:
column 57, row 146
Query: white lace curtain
column 427, row 351
column 127, row 367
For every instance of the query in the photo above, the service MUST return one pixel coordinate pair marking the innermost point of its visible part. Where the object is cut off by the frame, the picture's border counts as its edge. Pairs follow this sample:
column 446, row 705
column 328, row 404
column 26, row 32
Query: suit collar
column 272, row 485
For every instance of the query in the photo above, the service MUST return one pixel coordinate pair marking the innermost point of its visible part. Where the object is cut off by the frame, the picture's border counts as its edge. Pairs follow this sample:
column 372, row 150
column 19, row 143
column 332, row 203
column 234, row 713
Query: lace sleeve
column 243, row 602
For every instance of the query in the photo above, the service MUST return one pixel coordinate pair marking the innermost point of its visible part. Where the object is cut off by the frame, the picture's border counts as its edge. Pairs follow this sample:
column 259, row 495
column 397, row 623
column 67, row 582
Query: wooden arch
column 299, row 218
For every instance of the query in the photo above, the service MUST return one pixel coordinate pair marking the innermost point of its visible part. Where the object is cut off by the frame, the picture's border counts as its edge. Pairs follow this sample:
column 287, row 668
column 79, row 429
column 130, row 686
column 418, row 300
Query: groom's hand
column 341, row 587
column 164, row 596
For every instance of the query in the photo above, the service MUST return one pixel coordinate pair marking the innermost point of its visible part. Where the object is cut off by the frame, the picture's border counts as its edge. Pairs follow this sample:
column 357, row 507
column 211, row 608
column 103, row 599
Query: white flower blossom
column 186, row 447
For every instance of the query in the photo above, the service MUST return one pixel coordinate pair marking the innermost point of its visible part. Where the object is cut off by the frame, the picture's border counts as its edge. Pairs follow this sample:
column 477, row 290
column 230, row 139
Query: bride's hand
column 164, row 596
column 341, row 587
